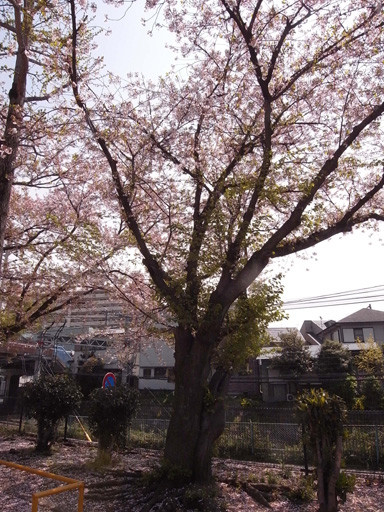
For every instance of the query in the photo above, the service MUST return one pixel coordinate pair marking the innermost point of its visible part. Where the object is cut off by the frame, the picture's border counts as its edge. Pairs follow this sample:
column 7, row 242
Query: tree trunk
column 46, row 434
column 320, row 470
column 10, row 141
column 334, row 476
column 328, row 470
column 198, row 412
column 212, row 425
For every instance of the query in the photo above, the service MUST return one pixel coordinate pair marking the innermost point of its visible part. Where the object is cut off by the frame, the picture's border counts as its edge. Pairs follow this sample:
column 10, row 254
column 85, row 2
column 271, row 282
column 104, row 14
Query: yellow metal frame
column 71, row 484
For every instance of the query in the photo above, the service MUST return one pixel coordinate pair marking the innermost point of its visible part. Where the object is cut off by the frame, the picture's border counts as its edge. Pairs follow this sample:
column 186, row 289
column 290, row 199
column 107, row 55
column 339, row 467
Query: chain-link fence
column 276, row 442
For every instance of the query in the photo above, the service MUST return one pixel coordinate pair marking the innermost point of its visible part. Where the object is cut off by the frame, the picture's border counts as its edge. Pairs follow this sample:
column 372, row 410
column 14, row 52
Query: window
column 368, row 334
column 358, row 334
column 348, row 336
column 160, row 372
column 363, row 334
column 147, row 373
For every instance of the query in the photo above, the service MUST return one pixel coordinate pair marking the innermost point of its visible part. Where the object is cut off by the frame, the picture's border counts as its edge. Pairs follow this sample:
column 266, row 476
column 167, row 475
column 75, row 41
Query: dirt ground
column 119, row 487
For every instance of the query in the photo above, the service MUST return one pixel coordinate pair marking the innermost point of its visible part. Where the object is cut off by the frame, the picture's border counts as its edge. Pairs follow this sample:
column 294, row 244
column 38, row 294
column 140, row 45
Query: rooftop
column 363, row 315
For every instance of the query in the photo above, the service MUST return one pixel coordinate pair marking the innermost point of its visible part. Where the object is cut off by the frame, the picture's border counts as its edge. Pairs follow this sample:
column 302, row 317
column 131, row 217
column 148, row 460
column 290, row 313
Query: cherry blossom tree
column 267, row 144
column 57, row 248
column 56, row 239
column 30, row 41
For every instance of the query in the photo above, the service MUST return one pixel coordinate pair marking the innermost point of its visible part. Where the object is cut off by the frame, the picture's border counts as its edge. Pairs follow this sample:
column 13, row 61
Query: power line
column 347, row 292
column 329, row 305
column 355, row 296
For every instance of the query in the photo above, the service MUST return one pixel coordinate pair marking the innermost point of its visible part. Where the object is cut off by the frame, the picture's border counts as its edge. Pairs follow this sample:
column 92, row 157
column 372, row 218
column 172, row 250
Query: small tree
column 90, row 374
column 373, row 393
column 49, row 399
column 370, row 360
column 333, row 357
column 110, row 412
column 294, row 358
column 334, row 365
column 323, row 416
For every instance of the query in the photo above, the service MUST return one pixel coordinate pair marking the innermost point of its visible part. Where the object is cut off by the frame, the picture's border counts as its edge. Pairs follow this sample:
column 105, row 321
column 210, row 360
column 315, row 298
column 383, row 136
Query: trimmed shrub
column 109, row 416
column 49, row 399
column 323, row 416
column 373, row 393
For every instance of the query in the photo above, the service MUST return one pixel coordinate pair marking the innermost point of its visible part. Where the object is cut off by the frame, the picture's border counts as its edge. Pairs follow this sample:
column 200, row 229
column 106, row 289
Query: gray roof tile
column 362, row 316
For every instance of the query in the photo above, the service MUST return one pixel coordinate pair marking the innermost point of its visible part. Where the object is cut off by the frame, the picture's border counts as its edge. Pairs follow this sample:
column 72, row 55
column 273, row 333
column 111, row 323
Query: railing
column 71, row 484
column 267, row 440
column 274, row 442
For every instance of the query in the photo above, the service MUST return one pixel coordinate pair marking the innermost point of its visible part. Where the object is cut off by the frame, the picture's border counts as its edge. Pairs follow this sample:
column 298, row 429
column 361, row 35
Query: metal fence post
column 21, row 419
column 252, row 438
column 305, row 452
column 65, row 428
column 377, row 446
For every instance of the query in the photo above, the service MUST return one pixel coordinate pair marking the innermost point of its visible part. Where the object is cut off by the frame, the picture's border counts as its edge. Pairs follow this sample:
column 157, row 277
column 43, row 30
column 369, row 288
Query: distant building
column 88, row 328
column 154, row 367
column 361, row 326
column 266, row 383
column 97, row 325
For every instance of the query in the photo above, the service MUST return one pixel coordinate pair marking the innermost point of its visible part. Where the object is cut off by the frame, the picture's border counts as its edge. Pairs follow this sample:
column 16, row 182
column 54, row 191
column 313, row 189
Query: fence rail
column 259, row 441
column 274, row 442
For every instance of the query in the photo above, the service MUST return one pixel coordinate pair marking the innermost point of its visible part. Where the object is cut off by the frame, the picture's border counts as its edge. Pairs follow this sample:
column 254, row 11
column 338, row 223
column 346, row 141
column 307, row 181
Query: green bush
column 373, row 393
column 49, row 399
column 345, row 388
column 345, row 484
column 303, row 491
column 323, row 416
column 110, row 413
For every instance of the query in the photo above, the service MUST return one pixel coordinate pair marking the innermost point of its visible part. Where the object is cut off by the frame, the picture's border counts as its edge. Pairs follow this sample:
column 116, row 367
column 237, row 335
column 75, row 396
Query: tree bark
column 10, row 142
column 321, row 484
column 198, row 412
column 46, row 434
column 334, row 476
column 328, row 470
column 212, row 425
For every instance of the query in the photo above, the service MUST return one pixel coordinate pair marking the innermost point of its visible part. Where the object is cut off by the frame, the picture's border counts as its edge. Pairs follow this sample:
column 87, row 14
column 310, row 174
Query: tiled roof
column 274, row 332
column 362, row 316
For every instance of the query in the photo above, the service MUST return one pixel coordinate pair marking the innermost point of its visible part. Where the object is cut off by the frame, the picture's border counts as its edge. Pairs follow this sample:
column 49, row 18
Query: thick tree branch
column 10, row 142
column 327, row 169
column 159, row 276
column 227, row 292
column 345, row 224
column 332, row 49
column 235, row 247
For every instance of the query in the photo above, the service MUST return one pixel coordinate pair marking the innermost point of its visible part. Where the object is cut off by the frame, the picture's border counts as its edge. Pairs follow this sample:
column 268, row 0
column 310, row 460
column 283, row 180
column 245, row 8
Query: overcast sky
column 349, row 262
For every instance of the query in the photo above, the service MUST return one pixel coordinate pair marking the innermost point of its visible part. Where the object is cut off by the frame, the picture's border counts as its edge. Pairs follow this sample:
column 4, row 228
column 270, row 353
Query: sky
column 349, row 262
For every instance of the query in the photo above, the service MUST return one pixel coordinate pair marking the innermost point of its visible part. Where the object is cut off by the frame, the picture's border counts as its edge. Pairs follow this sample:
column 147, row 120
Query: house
column 354, row 331
column 359, row 327
column 264, row 382
column 154, row 366
column 97, row 328
column 267, row 384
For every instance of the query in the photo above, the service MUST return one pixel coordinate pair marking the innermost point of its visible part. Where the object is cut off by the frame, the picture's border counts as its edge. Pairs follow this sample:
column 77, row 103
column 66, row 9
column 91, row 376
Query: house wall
column 274, row 388
column 154, row 366
column 345, row 333
column 379, row 334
